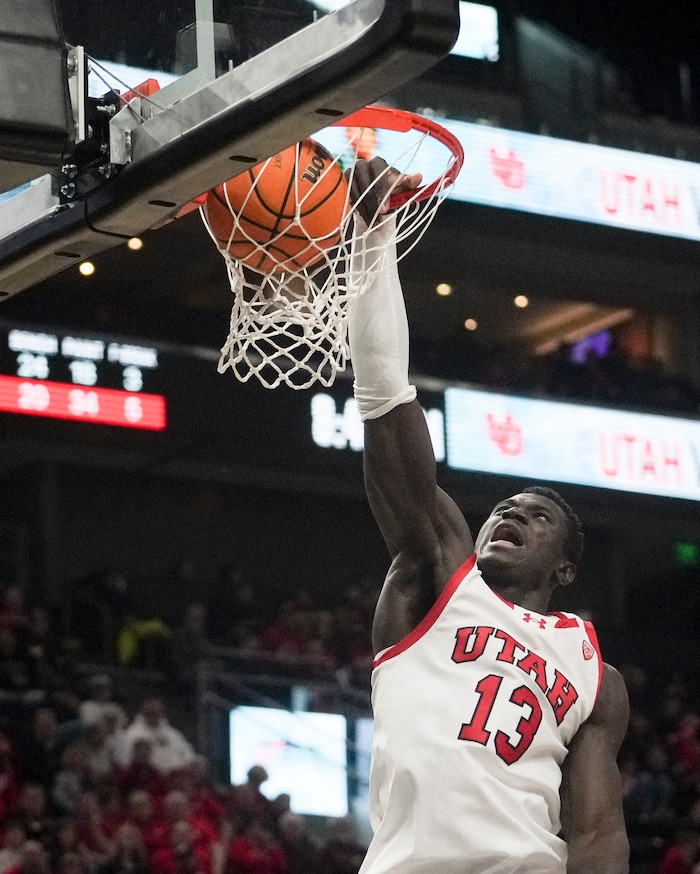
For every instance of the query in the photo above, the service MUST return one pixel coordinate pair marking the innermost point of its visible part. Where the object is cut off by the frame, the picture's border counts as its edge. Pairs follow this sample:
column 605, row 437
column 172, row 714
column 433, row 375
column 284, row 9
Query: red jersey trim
column 432, row 616
column 564, row 620
column 596, row 646
column 501, row 598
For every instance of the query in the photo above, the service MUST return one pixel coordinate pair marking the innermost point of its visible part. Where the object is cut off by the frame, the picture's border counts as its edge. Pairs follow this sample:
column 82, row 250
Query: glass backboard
column 172, row 98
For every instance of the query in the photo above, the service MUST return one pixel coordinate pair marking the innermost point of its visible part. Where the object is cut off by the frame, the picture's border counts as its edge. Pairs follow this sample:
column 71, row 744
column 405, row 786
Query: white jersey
column 473, row 712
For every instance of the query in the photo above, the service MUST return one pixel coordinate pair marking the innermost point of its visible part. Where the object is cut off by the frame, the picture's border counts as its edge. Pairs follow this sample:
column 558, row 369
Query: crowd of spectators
column 323, row 640
column 611, row 378
column 614, row 379
column 660, row 769
column 91, row 786
column 88, row 787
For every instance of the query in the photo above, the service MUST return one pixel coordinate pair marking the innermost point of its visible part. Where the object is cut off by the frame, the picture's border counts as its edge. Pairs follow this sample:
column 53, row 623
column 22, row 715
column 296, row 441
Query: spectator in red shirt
column 142, row 813
column 34, row 860
column 141, row 773
column 13, row 838
column 685, row 744
column 128, row 854
column 9, row 782
column 90, row 828
column 681, row 856
column 203, row 801
column 68, row 855
column 182, row 855
column 286, row 634
column 176, row 808
column 32, row 811
column 13, row 610
column 255, row 851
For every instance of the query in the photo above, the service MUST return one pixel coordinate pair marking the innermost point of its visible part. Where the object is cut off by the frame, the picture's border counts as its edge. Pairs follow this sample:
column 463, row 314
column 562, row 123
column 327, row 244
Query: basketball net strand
column 290, row 326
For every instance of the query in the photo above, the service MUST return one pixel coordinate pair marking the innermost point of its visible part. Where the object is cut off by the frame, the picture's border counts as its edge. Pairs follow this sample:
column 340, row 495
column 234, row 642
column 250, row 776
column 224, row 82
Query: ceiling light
column 471, row 324
column 135, row 243
column 521, row 301
column 444, row 289
column 87, row 268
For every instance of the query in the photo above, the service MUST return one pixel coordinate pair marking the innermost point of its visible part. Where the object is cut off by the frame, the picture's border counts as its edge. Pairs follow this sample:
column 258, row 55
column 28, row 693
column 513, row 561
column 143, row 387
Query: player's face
column 524, row 537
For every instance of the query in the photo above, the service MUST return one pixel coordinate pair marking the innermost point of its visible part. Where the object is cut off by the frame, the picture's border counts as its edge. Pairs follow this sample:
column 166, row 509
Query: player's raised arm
column 426, row 533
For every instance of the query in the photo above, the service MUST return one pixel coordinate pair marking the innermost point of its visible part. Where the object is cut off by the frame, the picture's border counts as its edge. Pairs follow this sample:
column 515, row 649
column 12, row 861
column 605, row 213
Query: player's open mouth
column 508, row 532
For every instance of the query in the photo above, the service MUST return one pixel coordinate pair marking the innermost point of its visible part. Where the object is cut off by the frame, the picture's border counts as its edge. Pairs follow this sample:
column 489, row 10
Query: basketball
column 282, row 214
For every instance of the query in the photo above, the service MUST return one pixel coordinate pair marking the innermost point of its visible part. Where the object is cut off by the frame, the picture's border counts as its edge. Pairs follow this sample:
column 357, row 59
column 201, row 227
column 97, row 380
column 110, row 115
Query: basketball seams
column 336, row 182
column 279, row 214
column 223, row 202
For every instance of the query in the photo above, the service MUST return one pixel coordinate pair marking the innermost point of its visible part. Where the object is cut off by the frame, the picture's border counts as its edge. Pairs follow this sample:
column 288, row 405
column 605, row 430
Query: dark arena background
column 180, row 547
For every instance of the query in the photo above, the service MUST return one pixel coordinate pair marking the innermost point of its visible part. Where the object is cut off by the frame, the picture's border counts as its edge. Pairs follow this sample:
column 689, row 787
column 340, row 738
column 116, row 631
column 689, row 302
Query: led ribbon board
column 563, row 179
column 578, row 181
column 572, row 443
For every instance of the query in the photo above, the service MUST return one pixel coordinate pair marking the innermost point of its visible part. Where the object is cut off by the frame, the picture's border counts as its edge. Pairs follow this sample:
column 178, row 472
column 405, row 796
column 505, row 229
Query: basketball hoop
column 290, row 325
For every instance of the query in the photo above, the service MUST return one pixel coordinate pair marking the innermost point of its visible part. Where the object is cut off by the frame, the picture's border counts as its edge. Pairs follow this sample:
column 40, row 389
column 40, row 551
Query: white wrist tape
column 378, row 331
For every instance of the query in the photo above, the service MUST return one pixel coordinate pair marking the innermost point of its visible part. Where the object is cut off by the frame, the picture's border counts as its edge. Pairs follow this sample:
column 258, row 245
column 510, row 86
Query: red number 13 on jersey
column 477, row 732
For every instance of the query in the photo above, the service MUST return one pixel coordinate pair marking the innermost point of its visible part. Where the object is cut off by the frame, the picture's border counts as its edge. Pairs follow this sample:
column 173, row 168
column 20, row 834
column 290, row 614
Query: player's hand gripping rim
column 372, row 185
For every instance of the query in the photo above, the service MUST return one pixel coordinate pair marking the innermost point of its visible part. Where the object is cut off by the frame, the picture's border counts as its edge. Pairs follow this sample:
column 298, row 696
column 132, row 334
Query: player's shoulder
column 611, row 710
column 613, row 681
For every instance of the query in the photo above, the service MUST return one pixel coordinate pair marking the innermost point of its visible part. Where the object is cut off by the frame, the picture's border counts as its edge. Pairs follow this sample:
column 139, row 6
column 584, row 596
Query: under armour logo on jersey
column 528, row 617
column 588, row 651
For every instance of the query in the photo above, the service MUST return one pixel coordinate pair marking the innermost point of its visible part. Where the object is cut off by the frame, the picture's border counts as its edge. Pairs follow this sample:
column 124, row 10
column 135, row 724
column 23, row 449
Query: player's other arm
column 592, row 817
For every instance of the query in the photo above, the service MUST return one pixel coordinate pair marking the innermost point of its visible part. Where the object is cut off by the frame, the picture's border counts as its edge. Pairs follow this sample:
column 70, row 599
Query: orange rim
column 401, row 121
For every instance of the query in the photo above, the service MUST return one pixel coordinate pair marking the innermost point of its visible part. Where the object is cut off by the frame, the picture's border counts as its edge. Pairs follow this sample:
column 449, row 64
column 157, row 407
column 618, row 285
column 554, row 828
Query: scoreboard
column 64, row 376
column 176, row 394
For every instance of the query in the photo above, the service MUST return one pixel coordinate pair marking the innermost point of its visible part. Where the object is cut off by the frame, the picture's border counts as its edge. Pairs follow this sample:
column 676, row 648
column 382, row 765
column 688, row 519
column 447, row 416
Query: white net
column 289, row 324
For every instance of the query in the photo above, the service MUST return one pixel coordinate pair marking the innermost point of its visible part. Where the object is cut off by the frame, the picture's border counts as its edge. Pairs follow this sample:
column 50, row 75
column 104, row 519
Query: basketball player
column 497, row 725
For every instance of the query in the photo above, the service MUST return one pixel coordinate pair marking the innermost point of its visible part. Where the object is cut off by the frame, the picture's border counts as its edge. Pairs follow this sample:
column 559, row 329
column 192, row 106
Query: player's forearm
column 607, row 854
column 378, row 331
